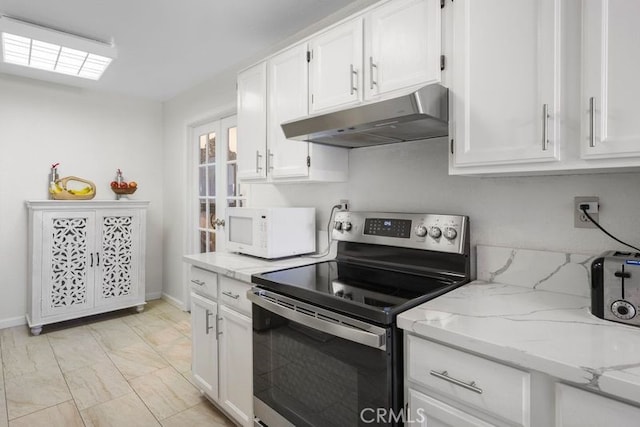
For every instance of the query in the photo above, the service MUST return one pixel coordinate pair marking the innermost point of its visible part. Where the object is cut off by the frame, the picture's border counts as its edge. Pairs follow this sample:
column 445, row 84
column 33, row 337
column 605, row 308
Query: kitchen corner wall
column 91, row 134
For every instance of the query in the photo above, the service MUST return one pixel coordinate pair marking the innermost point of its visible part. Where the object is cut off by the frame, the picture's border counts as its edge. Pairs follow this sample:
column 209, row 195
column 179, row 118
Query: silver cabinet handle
column 258, row 157
column 207, row 327
column 91, row 265
column 218, row 331
column 197, row 282
column 230, row 295
column 444, row 375
column 371, row 67
column 98, row 259
column 592, row 121
column 354, row 86
column 545, row 127
column 269, row 159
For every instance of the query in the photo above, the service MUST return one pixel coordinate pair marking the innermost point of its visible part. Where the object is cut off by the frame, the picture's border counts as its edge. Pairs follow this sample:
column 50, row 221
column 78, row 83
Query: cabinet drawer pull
column 91, row 265
column 218, row 331
column 592, row 121
column 230, row 295
column 444, row 375
column 98, row 259
column 197, row 282
column 269, row 159
column 354, row 86
column 207, row 327
column 545, row 127
column 371, row 67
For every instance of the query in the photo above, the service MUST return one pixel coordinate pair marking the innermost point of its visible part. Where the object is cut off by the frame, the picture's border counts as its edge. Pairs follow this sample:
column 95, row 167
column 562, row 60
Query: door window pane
column 212, row 241
column 233, row 144
column 211, row 178
column 231, row 179
column 211, row 148
column 203, row 215
column 202, row 181
column 203, row 149
column 203, row 241
column 212, row 215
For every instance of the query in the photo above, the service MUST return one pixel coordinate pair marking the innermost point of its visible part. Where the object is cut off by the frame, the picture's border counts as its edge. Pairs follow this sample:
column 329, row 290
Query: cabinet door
column 611, row 87
column 505, row 92
column 68, row 262
column 335, row 70
column 426, row 411
column 579, row 408
column 402, row 46
column 288, row 99
column 236, row 380
column 204, row 339
column 118, row 256
column 252, row 122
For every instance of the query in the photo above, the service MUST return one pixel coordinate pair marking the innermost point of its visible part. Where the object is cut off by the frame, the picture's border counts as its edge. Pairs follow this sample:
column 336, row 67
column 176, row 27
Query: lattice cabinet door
column 68, row 260
column 119, row 256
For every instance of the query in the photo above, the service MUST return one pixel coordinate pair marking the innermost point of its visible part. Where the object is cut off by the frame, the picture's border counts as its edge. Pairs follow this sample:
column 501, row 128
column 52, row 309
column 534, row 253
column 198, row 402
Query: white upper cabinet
column 610, row 110
column 505, row 88
column 402, row 46
column 252, row 122
column 288, row 99
column 335, row 70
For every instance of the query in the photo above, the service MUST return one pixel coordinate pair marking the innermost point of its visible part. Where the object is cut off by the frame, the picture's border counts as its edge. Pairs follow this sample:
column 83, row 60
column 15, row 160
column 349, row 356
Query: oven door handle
column 311, row 316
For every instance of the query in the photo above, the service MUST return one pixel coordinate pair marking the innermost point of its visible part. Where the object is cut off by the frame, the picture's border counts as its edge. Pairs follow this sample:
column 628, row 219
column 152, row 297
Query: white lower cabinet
column 204, row 341
column 222, row 343
column 425, row 411
column 579, row 408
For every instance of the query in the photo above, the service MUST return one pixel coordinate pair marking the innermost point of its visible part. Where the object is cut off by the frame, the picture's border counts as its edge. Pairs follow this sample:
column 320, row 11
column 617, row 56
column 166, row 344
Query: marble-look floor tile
column 201, row 415
column 76, row 351
column 114, row 334
column 137, row 360
column 178, row 354
column 63, row 415
column 33, row 392
column 157, row 336
column 28, row 358
column 145, row 319
column 180, row 320
column 18, row 336
column 4, row 419
column 127, row 410
column 96, row 384
column 166, row 392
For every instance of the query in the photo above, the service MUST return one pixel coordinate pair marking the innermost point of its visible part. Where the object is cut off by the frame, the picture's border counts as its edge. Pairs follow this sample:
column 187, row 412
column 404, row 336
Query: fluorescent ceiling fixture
column 34, row 46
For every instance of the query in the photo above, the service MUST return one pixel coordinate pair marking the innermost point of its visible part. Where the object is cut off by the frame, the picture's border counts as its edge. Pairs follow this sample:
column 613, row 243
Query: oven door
column 313, row 367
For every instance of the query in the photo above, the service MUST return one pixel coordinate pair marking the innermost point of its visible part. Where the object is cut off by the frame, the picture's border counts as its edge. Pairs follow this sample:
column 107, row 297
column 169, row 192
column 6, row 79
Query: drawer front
column 579, row 408
column 203, row 282
column 489, row 386
column 233, row 293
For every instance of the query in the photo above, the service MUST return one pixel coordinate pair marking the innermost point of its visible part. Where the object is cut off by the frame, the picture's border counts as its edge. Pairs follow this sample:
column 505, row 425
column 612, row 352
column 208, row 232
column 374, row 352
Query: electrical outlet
column 344, row 204
column 580, row 220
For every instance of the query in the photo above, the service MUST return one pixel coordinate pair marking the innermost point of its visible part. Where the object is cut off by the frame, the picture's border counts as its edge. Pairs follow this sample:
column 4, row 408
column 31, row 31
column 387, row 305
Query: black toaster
column 615, row 287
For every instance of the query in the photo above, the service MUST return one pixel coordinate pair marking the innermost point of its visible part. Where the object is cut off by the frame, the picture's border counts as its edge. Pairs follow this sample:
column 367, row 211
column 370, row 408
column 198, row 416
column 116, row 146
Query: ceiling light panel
column 39, row 47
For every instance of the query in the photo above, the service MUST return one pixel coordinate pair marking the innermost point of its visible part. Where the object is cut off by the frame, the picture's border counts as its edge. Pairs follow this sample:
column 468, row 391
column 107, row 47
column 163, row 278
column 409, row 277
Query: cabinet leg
column 140, row 308
column 36, row 330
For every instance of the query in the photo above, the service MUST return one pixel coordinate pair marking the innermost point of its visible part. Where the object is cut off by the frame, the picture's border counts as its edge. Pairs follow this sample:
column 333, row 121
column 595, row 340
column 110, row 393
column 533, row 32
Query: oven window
column 315, row 379
column 240, row 230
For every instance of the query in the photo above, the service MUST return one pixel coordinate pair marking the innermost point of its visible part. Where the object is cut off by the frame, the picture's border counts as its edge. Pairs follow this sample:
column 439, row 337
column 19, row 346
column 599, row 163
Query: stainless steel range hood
column 419, row 115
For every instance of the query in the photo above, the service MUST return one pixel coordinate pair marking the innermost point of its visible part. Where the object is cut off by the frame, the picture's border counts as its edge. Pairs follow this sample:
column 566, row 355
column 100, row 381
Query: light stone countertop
column 536, row 329
column 241, row 267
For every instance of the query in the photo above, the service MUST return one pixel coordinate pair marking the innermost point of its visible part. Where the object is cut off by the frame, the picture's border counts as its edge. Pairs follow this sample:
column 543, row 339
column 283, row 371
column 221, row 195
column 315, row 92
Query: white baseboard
column 153, row 295
column 173, row 301
column 13, row 321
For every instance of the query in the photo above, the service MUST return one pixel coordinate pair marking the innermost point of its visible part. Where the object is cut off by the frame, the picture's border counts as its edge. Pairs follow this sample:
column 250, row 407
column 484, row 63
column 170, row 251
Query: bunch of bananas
column 55, row 188
column 82, row 191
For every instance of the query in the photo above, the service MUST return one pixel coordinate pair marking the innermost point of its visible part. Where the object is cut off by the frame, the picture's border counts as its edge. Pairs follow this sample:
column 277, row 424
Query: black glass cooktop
column 369, row 293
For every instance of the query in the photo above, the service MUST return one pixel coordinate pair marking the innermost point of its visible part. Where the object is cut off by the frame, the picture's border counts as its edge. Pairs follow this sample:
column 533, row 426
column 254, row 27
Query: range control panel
column 435, row 232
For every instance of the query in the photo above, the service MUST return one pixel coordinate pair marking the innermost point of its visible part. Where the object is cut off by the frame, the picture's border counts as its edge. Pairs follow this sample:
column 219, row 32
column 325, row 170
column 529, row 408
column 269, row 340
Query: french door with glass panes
column 216, row 182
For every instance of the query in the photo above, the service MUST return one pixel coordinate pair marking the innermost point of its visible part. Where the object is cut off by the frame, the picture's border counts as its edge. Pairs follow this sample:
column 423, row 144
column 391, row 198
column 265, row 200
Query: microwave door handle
column 375, row 339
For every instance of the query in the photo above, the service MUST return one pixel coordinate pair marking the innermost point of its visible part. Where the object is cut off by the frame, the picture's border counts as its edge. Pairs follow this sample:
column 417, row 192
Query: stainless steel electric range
column 326, row 348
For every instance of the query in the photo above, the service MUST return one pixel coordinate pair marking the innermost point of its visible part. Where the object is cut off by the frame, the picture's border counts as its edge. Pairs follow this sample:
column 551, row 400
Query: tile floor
column 117, row 369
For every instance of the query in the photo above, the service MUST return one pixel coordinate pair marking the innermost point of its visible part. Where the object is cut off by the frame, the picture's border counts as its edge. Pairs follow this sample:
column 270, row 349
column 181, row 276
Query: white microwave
column 271, row 232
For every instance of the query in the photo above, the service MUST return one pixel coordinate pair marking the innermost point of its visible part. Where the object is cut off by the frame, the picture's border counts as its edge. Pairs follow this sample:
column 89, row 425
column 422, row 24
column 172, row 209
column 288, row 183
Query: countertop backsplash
column 552, row 271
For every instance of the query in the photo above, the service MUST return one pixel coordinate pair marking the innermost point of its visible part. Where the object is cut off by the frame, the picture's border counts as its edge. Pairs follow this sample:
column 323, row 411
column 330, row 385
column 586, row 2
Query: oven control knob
column 623, row 310
column 421, row 231
column 346, row 226
column 450, row 233
column 435, row 232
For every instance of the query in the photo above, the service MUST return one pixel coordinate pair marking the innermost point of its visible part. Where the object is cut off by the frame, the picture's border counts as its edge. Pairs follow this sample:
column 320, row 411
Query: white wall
column 90, row 134
column 526, row 212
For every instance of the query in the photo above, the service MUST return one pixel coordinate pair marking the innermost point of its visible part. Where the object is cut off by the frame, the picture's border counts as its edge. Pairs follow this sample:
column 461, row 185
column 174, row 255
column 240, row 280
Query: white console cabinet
column 85, row 257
